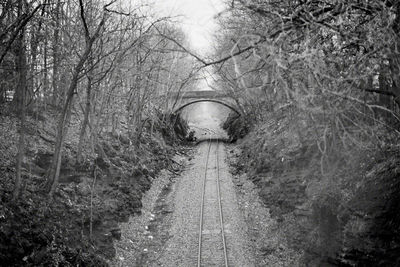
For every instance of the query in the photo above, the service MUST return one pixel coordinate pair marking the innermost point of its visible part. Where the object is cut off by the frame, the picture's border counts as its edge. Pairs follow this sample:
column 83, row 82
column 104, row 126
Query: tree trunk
column 394, row 61
column 45, row 72
column 33, row 82
column 56, row 52
column 62, row 126
column 85, row 119
column 21, row 103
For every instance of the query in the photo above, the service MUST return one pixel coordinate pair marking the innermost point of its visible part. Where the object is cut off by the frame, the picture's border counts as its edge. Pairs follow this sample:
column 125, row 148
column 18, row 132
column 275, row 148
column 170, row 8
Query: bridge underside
column 192, row 97
column 194, row 101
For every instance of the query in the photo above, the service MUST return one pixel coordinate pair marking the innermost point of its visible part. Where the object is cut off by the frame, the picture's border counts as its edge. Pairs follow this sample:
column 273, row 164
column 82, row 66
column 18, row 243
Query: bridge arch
column 231, row 107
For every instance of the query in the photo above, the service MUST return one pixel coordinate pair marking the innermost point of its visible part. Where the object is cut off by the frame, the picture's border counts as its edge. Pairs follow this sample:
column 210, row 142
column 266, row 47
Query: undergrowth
column 236, row 126
column 335, row 196
column 65, row 230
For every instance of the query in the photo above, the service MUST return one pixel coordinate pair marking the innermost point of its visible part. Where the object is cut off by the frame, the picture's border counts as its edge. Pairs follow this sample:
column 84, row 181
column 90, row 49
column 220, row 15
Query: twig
column 323, row 151
column 91, row 202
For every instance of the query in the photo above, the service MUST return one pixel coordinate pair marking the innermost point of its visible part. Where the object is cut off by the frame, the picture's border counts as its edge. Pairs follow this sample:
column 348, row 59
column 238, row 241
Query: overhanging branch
column 209, row 63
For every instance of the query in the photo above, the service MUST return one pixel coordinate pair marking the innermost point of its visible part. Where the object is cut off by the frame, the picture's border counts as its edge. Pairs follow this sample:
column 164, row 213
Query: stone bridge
column 188, row 98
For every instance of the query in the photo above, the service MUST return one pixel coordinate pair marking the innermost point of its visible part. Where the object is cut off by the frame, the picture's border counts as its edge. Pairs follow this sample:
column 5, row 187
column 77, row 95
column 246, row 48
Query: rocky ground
column 166, row 234
column 266, row 238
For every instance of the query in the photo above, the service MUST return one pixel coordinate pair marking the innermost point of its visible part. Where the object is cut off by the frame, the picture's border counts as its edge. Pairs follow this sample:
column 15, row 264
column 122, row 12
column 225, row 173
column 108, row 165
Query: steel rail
column 202, row 206
column 221, row 217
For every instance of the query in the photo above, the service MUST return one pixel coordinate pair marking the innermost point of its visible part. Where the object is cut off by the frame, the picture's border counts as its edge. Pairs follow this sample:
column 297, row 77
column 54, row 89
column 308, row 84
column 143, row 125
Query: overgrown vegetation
column 236, row 126
column 337, row 207
column 78, row 225
column 86, row 123
column 319, row 82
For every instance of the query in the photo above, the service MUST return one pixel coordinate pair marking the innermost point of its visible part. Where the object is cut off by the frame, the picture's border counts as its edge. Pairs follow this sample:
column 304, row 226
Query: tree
column 20, row 101
column 326, row 73
column 62, row 127
column 116, row 64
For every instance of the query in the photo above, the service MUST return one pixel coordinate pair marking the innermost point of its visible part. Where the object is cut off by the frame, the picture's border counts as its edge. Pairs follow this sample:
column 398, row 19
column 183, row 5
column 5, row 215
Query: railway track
column 212, row 249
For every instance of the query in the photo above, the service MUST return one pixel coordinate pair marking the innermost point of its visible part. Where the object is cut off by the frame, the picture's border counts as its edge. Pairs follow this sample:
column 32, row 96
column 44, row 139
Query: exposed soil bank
column 144, row 236
column 338, row 208
column 267, row 241
column 106, row 189
column 236, row 126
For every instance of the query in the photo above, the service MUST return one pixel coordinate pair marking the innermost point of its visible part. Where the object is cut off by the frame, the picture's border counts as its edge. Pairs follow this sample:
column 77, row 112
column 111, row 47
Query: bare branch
column 23, row 23
column 209, row 63
column 85, row 26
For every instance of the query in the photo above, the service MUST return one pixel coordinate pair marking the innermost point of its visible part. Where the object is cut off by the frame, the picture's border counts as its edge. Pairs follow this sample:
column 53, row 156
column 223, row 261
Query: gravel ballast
column 167, row 232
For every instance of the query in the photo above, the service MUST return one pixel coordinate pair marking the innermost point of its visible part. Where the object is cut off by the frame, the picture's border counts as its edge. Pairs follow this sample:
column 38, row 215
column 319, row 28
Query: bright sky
column 197, row 19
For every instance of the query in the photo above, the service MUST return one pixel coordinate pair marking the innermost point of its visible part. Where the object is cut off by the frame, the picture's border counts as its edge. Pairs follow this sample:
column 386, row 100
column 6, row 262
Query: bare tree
column 62, row 127
column 20, row 100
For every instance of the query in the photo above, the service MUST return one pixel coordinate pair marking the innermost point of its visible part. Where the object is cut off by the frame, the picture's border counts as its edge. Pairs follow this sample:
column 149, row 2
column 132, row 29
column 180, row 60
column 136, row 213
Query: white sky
column 197, row 19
